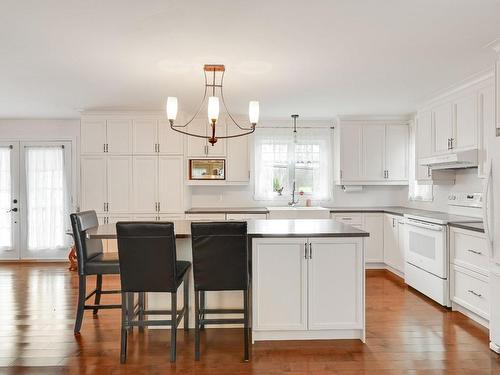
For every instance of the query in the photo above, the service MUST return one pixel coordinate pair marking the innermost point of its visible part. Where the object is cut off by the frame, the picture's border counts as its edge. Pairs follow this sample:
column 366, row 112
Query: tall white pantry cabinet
column 131, row 168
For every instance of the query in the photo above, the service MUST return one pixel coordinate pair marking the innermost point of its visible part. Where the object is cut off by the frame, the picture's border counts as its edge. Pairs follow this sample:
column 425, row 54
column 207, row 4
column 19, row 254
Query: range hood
column 453, row 160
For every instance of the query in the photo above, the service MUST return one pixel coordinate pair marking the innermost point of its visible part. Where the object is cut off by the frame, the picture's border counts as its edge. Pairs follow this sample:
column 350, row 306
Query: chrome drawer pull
column 476, row 294
column 474, row 252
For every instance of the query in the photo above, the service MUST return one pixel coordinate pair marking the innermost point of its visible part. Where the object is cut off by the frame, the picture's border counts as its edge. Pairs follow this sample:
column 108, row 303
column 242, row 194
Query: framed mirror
column 207, row 169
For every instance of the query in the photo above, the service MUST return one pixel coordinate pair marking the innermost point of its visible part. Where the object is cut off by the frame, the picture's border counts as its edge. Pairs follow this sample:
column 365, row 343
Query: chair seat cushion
column 105, row 263
column 181, row 267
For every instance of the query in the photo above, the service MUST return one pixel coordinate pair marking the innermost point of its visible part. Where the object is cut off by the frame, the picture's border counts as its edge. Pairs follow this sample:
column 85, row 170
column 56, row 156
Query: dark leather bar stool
column 220, row 262
column 91, row 260
column 148, row 263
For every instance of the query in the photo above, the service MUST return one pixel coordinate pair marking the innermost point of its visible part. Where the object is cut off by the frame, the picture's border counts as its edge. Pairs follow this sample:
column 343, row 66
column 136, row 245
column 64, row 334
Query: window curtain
column 47, row 196
column 5, row 199
column 282, row 157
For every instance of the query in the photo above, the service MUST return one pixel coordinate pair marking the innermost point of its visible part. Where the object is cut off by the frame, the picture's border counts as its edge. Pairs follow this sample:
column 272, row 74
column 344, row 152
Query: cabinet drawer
column 469, row 250
column 471, row 290
column 351, row 219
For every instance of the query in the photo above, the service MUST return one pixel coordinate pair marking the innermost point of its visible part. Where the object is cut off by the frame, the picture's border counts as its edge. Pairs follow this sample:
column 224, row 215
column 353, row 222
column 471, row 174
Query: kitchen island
column 307, row 278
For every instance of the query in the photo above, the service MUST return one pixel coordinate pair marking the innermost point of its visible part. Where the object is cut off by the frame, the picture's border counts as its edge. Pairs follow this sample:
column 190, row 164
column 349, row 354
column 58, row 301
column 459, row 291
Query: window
column 282, row 159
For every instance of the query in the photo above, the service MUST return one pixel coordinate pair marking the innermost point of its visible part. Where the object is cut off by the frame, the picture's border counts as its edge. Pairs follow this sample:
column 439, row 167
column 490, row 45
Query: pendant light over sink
column 214, row 88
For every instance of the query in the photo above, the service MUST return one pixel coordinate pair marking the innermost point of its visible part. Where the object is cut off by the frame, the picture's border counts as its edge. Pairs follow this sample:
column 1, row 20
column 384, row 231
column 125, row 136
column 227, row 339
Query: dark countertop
column 476, row 227
column 258, row 228
column 229, row 210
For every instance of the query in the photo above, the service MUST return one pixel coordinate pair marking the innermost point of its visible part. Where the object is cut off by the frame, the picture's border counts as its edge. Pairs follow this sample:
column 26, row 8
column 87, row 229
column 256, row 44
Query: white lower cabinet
column 469, row 274
column 394, row 243
column 246, row 216
column 206, row 217
column 308, row 288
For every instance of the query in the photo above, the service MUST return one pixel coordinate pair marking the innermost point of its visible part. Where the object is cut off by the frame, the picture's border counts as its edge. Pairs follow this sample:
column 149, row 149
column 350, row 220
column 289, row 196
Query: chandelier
column 213, row 85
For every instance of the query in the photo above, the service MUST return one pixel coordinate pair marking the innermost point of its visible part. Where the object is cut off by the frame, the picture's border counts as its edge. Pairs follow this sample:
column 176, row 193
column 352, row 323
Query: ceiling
column 315, row 58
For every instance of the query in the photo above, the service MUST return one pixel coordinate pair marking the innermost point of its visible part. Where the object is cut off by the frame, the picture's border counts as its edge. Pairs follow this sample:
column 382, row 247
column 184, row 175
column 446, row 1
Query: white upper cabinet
column 396, row 152
column 119, row 137
column 145, row 137
column 170, row 141
column 119, row 182
column 93, row 134
column 237, row 163
column 351, row 153
column 443, row 127
column 423, row 144
column 486, row 109
column 465, row 132
column 171, row 184
column 374, row 152
column 199, row 147
column 497, row 83
column 93, row 183
column 145, row 170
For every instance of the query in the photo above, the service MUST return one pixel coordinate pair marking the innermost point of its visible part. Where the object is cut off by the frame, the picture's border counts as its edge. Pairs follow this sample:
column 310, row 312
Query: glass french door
column 34, row 199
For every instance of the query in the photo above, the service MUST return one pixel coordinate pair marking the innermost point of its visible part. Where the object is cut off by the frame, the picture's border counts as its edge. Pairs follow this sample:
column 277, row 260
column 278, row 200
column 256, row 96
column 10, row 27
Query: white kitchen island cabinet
column 307, row 278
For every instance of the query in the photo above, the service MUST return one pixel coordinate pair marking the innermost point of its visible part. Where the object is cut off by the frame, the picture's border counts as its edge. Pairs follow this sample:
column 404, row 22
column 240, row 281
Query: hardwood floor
column 406, row 334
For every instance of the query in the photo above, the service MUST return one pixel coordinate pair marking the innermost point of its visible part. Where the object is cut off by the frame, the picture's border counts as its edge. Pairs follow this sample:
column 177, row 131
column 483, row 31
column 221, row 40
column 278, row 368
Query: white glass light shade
column 213, row 108
column 253, row 112
column 172, row 108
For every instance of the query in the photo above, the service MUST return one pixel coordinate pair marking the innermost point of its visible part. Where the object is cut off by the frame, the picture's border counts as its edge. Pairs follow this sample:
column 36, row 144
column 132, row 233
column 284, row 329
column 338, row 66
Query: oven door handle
column 437, row 228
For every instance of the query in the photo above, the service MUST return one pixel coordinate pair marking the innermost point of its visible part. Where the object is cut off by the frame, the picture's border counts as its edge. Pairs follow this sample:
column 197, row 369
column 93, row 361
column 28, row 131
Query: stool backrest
column 86, row 249
column 220, row 260
column 147, row 256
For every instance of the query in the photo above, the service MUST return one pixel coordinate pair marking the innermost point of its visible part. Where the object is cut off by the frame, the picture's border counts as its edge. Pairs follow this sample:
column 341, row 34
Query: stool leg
column 245, row 325
column 123, row 340
column 130, row 309
column 81, row 303
column 98, row 290
column 196, row 325
column 202, row 307
column 173, row 328
column 186, row 302
column 142, row 299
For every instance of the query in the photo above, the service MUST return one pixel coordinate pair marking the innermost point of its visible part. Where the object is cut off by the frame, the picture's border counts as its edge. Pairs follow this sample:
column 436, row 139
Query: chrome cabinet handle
column 305, row 250
column 12, row 210
column 474, row 293
column 474, row 252
column 310, row 250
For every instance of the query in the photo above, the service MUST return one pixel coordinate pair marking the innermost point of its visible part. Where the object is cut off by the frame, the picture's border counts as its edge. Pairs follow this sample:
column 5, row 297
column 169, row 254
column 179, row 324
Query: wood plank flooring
column 406, row 334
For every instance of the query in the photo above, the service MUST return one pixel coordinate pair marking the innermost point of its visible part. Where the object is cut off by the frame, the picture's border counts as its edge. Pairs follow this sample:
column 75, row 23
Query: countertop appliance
column 427, row 260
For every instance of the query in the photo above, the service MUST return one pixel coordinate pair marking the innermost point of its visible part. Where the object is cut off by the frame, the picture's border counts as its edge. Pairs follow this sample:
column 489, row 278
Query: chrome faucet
column 293, row 202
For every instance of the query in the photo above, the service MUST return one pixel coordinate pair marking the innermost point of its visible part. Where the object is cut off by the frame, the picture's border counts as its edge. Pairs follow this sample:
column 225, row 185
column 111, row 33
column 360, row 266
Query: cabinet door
column 351, row 152
column 145, row 136
column 171, row 142
column 279, row 284
column 374, row 245
column 245, row 217
column 335, row 278
column 145, row 172
column 396, row 152
column 171, row 183
column 390, row 240
column 465, row 122
column 399, row 262
column 237, row 163
column 93, row 183
column 423, row 144
column 120, row 184
column 373, row 152
column 219, row 148
column 112, row 245
column 486, row 126
column 93, row 133
column 197, row 146
column 443, row 127
column 119, row 136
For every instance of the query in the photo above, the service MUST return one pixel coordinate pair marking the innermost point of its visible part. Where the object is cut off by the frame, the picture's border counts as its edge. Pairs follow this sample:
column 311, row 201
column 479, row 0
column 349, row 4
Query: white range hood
column 454, row 160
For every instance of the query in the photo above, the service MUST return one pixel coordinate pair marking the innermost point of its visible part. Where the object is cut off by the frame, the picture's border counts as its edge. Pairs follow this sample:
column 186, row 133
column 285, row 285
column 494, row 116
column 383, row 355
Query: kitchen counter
column 476, row 227
column 258, row 229
column 228, row 210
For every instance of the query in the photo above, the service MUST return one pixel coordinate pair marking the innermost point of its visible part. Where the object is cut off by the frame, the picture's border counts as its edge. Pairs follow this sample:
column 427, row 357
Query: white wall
column 47, row 129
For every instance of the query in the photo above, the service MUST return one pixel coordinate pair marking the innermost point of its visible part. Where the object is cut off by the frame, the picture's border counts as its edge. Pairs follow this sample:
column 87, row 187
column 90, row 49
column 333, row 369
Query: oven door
column 425, row 246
